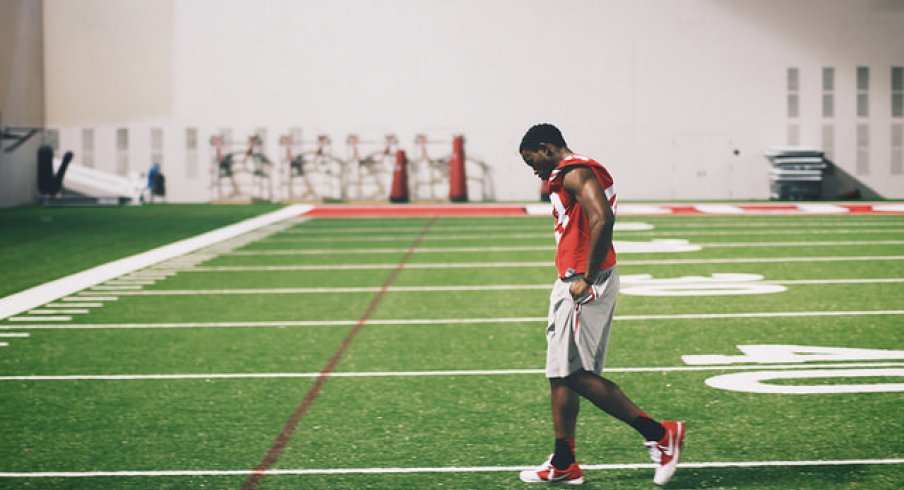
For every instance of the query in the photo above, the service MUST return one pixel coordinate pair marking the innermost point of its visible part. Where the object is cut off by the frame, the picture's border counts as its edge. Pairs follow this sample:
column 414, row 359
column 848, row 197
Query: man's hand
column 579, row 289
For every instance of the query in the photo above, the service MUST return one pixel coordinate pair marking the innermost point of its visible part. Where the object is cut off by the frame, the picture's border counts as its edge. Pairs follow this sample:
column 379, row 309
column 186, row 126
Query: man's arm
column 583, row 184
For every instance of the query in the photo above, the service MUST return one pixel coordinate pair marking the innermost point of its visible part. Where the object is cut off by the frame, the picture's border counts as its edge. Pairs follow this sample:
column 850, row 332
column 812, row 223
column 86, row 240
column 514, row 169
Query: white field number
column 718, row 284
column 756, row 381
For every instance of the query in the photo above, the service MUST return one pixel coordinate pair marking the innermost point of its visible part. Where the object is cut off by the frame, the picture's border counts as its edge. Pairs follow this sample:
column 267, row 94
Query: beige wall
column 21, row 95
column 663, row 91
column 109, row 61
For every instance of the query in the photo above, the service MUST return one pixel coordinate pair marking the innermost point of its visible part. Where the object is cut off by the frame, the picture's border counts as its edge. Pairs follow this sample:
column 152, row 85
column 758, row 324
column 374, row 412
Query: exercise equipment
column 429, row 175
column 320, row 172
column 370, row 170
column 49, row 183
column 251, row 162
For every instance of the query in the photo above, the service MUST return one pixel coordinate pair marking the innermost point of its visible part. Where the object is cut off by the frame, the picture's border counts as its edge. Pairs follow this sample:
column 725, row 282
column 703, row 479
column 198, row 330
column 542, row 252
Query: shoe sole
column 528, row 479
column 669, row 469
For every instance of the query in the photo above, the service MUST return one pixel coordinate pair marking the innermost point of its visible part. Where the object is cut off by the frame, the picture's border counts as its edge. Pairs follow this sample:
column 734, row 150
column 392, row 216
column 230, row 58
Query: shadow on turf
column 773, row 478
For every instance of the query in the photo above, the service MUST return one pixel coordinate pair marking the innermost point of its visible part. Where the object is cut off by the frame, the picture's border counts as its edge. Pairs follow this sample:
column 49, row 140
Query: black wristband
column 587, row 280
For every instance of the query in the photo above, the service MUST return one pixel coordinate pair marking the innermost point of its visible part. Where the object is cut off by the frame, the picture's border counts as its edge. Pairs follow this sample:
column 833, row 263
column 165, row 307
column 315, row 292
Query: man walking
column 581, row 308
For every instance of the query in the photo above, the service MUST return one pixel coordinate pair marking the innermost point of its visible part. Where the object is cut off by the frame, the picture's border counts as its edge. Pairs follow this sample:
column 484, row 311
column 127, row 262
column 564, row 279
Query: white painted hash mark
column 38, row 318
column 80, row 305
column 68, row 311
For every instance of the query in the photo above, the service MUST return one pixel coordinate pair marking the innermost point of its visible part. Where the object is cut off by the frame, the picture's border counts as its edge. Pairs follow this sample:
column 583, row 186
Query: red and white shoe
column 547, row 473
column 666, row 452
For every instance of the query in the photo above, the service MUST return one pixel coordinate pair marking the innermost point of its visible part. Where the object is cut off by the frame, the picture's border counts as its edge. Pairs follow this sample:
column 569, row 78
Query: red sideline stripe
column 282, row 440
column 683, row 210
column 859, row 209
column 404, row 210
column 769, row 208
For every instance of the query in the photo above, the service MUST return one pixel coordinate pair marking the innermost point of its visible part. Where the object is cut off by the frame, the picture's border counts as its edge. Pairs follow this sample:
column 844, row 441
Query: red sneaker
column 666, row 451
column 547, row 473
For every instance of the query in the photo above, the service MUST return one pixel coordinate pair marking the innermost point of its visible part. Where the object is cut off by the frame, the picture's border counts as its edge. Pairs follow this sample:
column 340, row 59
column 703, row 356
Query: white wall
column 21, row 96
column 662, row 91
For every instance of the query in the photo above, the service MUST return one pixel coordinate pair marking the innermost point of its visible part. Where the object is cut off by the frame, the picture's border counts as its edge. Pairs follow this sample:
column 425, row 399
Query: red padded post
column 399, row 192
column 458, row 182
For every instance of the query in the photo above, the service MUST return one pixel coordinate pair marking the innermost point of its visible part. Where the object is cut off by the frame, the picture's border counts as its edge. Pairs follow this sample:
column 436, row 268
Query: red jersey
column 572, row 228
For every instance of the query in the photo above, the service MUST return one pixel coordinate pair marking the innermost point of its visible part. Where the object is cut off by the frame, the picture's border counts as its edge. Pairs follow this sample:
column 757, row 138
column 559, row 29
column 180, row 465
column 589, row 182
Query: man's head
column 542, row 148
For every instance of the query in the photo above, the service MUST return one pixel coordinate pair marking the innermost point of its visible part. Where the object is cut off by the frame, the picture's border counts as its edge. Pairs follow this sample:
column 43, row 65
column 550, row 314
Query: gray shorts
column 578, row 331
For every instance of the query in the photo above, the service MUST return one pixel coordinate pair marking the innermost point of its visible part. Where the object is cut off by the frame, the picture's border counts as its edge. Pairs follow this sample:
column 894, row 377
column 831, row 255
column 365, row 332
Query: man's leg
column 561, row 466
column 664, row 440
column 565, row 405
column 608, row 397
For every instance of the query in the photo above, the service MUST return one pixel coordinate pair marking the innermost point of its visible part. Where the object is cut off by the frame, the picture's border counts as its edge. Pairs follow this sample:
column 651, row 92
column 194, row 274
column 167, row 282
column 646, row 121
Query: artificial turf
column 476, row 419
column 39, row 244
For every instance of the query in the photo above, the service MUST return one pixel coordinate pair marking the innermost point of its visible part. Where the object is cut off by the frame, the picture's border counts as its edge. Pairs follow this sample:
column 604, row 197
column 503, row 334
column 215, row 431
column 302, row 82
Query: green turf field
column 432, row 331
column 55, row 242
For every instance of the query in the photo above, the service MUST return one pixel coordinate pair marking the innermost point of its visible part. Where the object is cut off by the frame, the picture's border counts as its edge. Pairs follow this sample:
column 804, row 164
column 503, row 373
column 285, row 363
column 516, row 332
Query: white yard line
column 92, row 298
column 412, row 231
column 764, row 260
column 524, row 248
column 743, row 223
column 312, row 228
column 890, row 280
column 342, row 251
column 441, row 469
column 800, row 244
column 333, row 290
column 417, row 374
column 830, row 231
column 45, row 293
column 620, row 226
column 770, row 314
column 301, row 238
column 542, row 264
column 330, row 267
column 430, row 289
column 437, row 321
column 397, row 238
